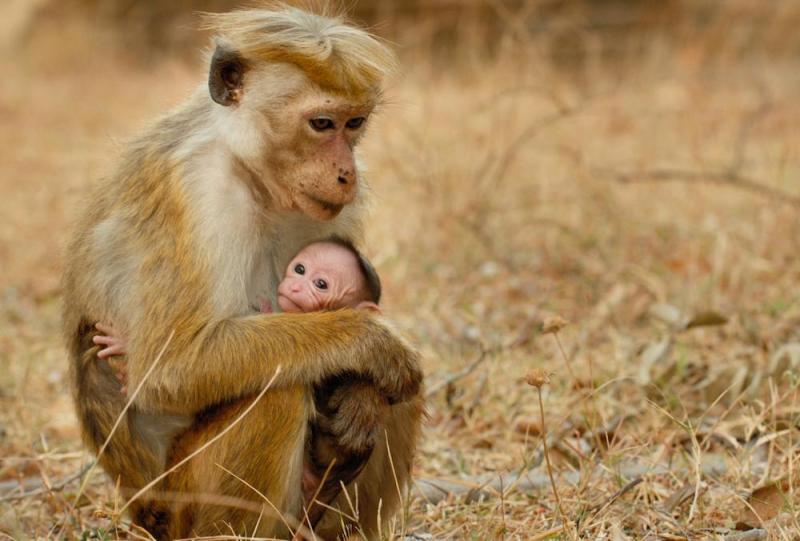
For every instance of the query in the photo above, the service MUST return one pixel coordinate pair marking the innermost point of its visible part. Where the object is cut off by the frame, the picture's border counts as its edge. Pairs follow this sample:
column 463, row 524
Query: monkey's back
column 124, row 243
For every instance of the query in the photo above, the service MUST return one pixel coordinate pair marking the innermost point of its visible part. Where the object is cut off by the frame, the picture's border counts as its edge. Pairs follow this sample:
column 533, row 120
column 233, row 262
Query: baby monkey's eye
column 321, row 123
column 355, row 122
column 299, row 269
column 320, row 283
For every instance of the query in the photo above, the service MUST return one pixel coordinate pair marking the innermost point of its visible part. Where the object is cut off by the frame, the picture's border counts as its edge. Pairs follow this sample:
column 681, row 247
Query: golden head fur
column 337, row 57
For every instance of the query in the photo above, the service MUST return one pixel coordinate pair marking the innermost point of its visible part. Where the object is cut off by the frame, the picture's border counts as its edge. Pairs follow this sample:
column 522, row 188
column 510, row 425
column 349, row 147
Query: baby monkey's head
column 328, row 275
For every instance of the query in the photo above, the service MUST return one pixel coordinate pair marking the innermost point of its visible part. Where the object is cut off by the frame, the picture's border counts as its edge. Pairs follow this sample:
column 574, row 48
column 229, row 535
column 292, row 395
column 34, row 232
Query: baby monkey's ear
column 369, row 307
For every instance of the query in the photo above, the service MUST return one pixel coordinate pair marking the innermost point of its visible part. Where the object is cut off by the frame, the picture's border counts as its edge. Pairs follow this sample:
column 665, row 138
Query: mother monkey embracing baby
column 193, row 230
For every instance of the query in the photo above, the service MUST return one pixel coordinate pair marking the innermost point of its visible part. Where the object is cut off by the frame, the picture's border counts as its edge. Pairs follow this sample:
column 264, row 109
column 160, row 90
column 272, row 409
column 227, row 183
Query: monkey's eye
column 321, row 123
column 299, row 269
column 355, row 122
column 321, row 284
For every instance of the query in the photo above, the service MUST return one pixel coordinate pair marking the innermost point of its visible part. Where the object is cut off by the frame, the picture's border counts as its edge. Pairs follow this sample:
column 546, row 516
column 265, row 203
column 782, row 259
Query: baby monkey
column 325, row 275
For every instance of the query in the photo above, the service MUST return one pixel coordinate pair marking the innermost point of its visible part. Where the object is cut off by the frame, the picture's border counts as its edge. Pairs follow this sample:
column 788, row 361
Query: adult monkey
column 197, row 224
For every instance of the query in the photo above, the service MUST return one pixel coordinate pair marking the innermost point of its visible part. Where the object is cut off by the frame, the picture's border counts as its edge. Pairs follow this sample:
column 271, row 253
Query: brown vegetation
column 635, row 171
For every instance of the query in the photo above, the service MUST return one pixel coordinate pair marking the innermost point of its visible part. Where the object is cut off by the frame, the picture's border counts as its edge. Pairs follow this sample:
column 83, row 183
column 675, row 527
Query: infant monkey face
column 322, row 276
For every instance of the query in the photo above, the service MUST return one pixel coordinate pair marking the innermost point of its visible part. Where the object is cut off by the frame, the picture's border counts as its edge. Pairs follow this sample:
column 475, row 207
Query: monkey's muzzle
column 317, row 208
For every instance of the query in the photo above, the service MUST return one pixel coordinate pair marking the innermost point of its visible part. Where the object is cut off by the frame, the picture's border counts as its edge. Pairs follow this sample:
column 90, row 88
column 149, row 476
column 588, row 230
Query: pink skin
column 322, row 276
column 114, row 345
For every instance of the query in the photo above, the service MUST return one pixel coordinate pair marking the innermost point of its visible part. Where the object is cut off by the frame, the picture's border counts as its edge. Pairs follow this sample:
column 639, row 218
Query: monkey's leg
column 332, row 466
column 98, row 403
column 377, row 492
column 127, row 458
column 349, row 410
column 265, row 450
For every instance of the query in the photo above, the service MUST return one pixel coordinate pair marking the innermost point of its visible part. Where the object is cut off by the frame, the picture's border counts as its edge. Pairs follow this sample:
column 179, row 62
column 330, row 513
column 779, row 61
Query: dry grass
column 506, row 192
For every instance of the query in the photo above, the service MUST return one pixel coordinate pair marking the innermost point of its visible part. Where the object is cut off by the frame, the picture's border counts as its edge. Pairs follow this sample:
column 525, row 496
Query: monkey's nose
column 342, row 180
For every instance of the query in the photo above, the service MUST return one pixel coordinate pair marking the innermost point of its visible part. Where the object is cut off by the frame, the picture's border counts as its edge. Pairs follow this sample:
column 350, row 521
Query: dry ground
column 655, row 206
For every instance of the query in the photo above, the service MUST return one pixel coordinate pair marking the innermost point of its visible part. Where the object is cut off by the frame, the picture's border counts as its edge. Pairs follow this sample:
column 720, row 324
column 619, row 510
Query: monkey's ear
column 369, row 307
column 226, row 76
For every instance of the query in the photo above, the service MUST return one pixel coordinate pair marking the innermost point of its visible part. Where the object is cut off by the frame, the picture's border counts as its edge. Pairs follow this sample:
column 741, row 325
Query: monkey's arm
column 238, row 356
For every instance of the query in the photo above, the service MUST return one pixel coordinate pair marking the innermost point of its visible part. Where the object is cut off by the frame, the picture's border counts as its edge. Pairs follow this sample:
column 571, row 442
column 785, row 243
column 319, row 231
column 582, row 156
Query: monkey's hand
column 350, row 411
column 343, row 434
column 393, row 365
column 114, row 344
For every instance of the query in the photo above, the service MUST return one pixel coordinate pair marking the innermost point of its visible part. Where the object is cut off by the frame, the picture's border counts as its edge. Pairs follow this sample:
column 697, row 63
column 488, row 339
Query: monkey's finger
column 103, row 340
column 116, row 349
column 110, row 351
column 105, row 329
column 122, row 378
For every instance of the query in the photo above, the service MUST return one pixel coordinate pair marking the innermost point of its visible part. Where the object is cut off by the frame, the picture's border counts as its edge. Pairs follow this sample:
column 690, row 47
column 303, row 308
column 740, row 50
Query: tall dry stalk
column 538, row 378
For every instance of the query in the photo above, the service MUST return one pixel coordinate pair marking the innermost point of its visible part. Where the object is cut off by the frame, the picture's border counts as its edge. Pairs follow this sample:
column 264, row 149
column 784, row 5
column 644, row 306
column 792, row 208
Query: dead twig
column 434, row 490
column 464, row 372
column 597, row 510
column 756, row 534
column 678, row 497
column 45, row 489
column 725, row 178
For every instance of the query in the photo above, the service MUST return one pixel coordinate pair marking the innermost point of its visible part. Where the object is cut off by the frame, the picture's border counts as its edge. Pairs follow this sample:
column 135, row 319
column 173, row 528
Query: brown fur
column 151, row 258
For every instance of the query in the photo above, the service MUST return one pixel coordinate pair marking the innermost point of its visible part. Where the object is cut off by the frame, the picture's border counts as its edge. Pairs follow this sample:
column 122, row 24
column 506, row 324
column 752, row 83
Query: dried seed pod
column 553, row 324
column 537, row 378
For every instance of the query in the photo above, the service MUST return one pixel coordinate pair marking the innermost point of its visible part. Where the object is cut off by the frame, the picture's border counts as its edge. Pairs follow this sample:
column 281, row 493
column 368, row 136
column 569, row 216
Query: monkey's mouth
column 287, row 305
column 327, row 206
column 319, row 208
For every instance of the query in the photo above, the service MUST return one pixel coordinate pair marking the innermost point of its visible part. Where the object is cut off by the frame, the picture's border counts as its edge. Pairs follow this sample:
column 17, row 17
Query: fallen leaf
column 763, row 504
column 528, row 427
column 483, row 443
column 706, row 319
column 654, row 353
column 787, row 357
column 668, row 313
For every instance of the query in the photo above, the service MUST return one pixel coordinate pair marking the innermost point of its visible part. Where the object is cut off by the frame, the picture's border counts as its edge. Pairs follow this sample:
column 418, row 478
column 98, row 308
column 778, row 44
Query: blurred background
column 630, row 166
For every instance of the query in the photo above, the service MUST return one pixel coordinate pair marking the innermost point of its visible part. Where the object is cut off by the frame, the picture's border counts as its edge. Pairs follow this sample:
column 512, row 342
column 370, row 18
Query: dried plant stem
column 547, row 533
column 299, row 531
column 503, row 508
column 589, row 420
column 566, row 358
column 547, row 460
column 394, row 476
